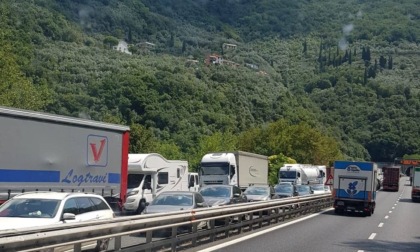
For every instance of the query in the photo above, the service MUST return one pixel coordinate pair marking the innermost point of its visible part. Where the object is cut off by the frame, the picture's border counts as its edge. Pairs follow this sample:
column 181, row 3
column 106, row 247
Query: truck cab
column 218, row 169
column 300, row 174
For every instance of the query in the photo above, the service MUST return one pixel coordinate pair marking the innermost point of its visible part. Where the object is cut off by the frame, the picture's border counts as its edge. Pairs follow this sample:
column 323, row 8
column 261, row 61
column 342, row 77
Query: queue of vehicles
column 82, row 157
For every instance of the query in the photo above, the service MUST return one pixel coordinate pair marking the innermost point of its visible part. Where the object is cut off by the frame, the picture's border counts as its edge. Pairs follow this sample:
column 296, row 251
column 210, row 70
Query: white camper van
column 149, row 175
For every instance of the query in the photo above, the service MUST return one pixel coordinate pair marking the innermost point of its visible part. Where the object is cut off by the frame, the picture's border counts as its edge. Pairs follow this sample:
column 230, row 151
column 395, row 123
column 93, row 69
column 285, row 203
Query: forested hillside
column 310, row 80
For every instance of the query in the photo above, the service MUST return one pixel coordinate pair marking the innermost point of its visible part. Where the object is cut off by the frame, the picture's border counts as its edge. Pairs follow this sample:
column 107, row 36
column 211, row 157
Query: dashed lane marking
column 386, row 217
column 381, row 224
column 372, row 236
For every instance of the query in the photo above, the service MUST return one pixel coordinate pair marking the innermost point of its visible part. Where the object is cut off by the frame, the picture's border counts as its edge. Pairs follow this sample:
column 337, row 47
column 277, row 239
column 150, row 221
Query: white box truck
column 354, row 187
column 149, row 174
column 46, row 152
column 238, row 168
column 415, row 189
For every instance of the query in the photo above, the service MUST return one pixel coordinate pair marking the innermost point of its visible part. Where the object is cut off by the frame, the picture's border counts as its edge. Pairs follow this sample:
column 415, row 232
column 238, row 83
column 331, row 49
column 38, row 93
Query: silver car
column 259, row 193
column 177, row 201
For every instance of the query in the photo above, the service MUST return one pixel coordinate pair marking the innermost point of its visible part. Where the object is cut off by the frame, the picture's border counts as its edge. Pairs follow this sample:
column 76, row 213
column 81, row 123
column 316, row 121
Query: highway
column 393, row 227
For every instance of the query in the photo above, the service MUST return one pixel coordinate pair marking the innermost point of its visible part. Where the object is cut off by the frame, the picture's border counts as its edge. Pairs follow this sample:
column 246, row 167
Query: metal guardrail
column 141, row 230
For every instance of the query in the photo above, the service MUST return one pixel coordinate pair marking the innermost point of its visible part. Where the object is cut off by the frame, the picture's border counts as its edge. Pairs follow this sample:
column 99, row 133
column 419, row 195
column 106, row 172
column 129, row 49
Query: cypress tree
column 382, row 61
column 350, row 59
column 390, row 62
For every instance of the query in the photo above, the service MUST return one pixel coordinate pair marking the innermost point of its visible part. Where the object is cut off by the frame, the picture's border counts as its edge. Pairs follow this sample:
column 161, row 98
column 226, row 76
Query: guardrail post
column 194, row 230
column 117, row 243
column 77, row 247
column 213, row 233
column 149, row 237
column 174, row 239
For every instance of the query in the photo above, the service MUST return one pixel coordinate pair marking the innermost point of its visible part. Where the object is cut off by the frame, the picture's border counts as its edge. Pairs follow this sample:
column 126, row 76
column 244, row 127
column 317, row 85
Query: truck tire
column 142, row 206
column 369, row 212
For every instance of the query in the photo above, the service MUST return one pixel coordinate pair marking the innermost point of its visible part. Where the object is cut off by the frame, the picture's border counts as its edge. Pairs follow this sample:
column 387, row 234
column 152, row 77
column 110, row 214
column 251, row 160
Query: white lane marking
column 225, row 244
column 381, row 224
column 393, row 207
column 360, row 251
column 390, row 211
column 395, row 204
column 386, row 217
column 372, row 236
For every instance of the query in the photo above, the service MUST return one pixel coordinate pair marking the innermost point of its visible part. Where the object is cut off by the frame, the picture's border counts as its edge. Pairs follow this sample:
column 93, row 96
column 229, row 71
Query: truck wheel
column 142, row 206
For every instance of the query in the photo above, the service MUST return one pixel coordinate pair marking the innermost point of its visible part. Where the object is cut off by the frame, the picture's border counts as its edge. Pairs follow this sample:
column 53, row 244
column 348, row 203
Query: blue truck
column 354, row 187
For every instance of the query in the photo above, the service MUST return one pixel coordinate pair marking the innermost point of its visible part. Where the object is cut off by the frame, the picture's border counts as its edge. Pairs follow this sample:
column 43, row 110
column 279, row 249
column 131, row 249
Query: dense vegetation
column 310, row 80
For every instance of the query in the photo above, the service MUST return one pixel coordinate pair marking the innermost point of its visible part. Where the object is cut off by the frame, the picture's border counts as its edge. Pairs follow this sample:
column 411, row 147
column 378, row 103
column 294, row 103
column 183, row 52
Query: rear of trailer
column 354, row 187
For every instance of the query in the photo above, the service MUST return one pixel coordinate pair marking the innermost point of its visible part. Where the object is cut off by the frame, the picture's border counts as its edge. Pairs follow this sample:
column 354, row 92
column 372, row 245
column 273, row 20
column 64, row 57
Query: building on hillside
column 253, row 66
column 214, row 59
column 122, row 47
column 191, row 62
column 227, row 46
column 146, row 45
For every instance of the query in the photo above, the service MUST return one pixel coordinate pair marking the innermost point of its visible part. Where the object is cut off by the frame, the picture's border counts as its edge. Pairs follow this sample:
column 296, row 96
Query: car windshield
column 216, row 192
column 284, row 189
column 302, row 188
column 174, row 200
column 256, row 191
column 30, row 208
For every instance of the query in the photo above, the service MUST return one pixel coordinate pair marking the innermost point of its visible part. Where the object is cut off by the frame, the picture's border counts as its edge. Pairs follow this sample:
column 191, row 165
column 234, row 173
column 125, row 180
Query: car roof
column 177, row 192
column 51, row 195
column 206, row 186
column 259, row 186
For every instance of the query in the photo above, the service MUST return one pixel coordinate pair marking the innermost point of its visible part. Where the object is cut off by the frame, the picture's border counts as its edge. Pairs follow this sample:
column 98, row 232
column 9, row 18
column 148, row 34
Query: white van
column 193, row 182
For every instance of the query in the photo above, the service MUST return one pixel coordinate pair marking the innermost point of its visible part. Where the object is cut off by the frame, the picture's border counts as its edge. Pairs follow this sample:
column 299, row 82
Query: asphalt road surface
column 395, row 226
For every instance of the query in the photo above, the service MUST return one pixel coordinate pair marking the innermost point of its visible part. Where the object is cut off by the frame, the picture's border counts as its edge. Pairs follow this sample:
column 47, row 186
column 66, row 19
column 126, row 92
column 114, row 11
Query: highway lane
column 393, row 227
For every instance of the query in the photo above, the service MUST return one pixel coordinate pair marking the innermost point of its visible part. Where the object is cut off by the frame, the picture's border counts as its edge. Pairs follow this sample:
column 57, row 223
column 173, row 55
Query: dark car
column 285, row 190
column 259, row 193
column 219, row 195
column 303, row 190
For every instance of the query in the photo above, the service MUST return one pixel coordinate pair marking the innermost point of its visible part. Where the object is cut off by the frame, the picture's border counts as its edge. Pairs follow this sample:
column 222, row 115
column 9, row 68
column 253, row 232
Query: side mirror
column 69, row 216
column 200, row 204
column 236, row 195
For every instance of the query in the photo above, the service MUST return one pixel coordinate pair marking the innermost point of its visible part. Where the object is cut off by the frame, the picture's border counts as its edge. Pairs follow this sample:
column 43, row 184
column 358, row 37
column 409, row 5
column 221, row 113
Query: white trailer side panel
column 47, row 152
column 252, row 169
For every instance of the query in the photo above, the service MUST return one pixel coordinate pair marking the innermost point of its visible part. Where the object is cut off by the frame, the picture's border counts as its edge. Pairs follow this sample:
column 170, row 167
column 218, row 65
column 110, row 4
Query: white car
column 319, row 189
column 34, row 209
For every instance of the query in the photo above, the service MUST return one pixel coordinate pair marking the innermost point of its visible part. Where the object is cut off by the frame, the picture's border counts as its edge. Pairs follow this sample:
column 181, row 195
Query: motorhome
column 151, row 174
